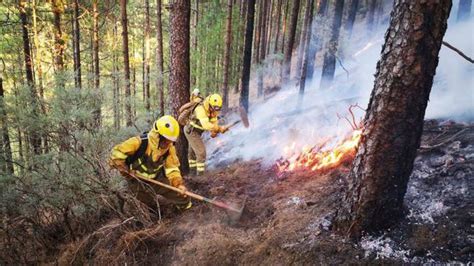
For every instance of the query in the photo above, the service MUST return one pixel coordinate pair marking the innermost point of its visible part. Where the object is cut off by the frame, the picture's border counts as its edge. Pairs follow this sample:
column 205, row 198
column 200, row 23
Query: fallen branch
column 427, row 147
column 459, row 52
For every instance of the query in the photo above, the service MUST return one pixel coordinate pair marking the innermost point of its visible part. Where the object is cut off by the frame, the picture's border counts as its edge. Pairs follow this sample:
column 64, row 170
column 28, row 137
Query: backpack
column 141, row 150
column 185, row 112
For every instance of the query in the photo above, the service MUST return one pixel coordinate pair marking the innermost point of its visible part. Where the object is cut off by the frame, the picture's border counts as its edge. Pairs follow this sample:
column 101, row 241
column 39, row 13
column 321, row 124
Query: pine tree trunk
column 241, row 41
column 147, row 55
column 39, row 72
column 263, row 31
column 394, row 120
column 329, row 64
column 270, row 27
column 180, row 72
column 305, row 31
column 258, row 33
column 227, row 53
column 464, row 10
column 159, row 58
column 115, row 79
column 6, row 149
column 262, row 46
column 285, row 26
column 379, row 13
column 291, row 41
column 309, row 18
column 277, row 31
column 195, row 24
column 95, row 59
column 371, row 15
column 34, row 136
column 244, row 93
column 58, row 36
column 126, row 62
column 351, row 17
column 77, row 45
column 39, row 69
column 316, row 37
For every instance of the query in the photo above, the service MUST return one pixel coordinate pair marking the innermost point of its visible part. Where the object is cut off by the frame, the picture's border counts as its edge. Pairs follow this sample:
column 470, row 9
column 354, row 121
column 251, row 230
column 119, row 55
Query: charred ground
column 287, row 219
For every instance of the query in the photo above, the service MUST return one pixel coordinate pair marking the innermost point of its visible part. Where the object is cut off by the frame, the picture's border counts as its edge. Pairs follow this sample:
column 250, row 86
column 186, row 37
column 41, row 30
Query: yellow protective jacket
column 152, row 161
column 203, row 119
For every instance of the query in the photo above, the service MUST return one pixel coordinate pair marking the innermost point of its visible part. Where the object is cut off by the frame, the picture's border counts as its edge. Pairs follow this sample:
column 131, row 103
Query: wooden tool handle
column 187, row 193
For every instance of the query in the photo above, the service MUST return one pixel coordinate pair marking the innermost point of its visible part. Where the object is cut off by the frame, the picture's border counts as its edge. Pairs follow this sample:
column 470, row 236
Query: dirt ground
column 287, row 219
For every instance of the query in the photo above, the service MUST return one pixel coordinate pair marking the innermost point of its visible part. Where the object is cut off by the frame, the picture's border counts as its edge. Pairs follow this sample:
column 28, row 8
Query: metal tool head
column 235, row 213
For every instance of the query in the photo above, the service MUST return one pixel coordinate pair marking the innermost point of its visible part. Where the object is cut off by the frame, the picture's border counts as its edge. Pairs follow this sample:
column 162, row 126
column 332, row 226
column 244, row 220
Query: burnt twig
column 459, row 52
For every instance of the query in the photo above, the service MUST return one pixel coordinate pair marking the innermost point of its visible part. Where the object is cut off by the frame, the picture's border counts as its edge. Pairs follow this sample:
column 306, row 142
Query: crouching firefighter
column 152, row 155
column 201, row 117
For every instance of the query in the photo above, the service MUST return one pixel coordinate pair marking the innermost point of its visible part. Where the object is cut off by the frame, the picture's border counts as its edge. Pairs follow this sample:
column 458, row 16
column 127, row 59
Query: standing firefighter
column 202, row 117
column 152, row 155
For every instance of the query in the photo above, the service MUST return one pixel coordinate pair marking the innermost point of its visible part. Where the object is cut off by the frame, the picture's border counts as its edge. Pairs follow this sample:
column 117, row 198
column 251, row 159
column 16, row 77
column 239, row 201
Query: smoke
column 452, row 95
column 281, row 127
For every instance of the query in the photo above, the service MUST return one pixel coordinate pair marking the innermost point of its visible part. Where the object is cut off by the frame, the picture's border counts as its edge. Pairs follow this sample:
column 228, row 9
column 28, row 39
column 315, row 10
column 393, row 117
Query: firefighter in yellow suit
column 157, row 161
column 203, row 118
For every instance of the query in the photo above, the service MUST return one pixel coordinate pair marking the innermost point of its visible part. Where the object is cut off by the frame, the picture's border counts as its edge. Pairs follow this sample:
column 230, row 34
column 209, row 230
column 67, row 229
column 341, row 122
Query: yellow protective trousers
column 196, row 149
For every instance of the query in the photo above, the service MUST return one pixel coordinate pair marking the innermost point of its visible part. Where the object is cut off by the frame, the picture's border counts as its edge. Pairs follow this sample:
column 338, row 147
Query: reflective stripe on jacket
column 152, row 161
column 202, row 118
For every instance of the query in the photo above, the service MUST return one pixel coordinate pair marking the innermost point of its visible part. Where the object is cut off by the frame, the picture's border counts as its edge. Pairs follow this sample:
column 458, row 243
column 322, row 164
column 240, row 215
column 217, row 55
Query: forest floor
column 287, row 219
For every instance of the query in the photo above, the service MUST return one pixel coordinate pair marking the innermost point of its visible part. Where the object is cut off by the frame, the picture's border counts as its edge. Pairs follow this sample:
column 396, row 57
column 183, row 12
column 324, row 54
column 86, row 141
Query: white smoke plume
column 277, row 128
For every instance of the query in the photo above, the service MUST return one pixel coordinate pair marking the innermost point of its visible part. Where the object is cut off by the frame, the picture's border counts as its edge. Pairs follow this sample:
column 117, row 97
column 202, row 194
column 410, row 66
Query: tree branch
column 459, row 52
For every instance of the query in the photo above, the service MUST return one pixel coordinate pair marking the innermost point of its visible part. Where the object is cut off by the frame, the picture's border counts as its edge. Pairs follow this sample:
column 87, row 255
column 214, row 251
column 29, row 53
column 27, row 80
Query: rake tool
column 232, row 212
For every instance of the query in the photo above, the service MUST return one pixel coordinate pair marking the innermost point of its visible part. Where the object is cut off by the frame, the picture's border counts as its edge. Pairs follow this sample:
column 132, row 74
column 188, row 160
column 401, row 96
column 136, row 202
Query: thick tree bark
column 351, row 18
column 227, row 58
column 5, row 144
column 76, row 40
column 34, row 136
column 126, row 62
column 180, row 71
column 304, row 67
column 316, row 38
column 285, row 26
column 159, row 58
column 291, row 41
column 371, row 15
column 147, row 56
column 464, row 10
column 394, row 120
column 95, row 58
column 244, row 93
column 329, row 64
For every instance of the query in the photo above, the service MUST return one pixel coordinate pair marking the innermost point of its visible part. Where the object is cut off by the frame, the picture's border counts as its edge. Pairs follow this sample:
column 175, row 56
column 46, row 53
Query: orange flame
column 318, row 158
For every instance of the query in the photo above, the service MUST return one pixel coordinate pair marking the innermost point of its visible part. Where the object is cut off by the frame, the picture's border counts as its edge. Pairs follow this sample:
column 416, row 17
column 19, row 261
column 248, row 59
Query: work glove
column 223, row 129
column 184, row 189
column 124, row 171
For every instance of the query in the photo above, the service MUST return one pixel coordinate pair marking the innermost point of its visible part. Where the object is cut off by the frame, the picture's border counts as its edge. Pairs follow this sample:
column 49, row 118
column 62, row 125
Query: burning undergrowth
column 287, row 219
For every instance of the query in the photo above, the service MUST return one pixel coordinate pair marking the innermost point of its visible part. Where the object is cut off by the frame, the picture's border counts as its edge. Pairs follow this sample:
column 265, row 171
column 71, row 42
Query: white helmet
column 196, row 92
